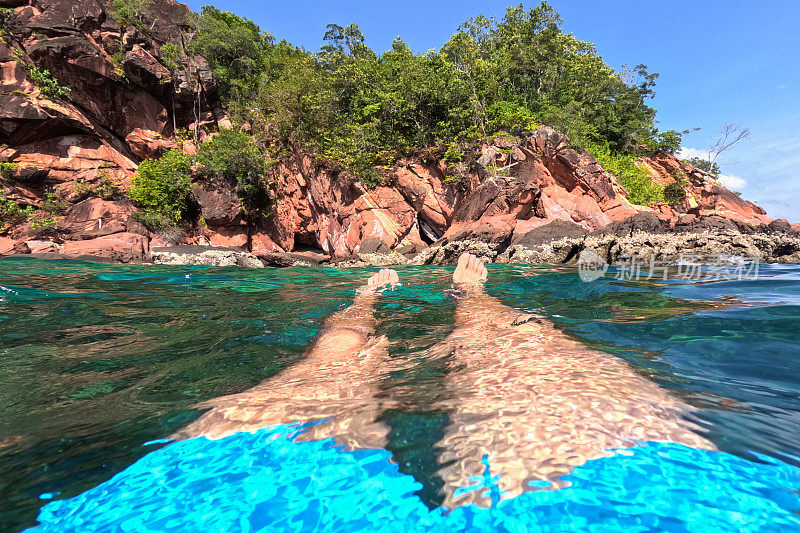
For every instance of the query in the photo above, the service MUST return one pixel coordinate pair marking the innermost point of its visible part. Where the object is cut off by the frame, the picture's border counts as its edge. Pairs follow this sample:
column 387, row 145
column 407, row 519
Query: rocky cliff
column 85, row 99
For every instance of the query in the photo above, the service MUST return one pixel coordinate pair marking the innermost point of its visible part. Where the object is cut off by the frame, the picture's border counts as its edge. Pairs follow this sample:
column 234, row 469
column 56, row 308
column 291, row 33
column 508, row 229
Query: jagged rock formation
column 75, row 155
column 704, row 195
column 124, row 105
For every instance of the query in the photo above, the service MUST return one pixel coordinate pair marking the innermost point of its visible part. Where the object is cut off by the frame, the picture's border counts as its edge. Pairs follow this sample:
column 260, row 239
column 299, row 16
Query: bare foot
column 336, row 382
column 470, row 271
column 376, row 281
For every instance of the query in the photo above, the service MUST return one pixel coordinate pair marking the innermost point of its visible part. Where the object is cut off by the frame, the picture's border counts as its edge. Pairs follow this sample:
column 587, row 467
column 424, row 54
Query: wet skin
column 523, row 397
column 335, row 385
column 534, row 403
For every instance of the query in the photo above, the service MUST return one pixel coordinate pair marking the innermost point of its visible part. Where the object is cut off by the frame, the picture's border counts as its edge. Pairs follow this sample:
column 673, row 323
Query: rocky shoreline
column 67, row 163
column 706, row 247
column 644, row 238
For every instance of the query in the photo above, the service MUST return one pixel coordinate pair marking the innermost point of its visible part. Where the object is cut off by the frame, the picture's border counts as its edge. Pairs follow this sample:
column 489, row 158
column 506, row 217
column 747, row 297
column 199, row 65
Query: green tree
column 235, row 48
column 130, row 12
column 668, row 141
column 162, row 187
column 356, row 109
column 233, row 159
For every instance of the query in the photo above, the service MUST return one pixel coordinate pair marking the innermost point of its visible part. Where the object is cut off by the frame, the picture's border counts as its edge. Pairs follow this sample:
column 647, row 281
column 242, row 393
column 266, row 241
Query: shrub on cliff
column 675, row 193
column 12, row 214
column 704, row 164
column 235, row 160
column 8, row 170
column 504, row 116
column 161, row 187
column 47, row 83
column 130, row 12
column 5, row 14
column 636, row 180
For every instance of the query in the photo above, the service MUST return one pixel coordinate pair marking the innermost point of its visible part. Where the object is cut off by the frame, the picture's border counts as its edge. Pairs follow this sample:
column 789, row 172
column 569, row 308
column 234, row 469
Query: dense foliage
column 11, row 213
column 233, row 159
column 236, row 50
column 7, row 170
column 675, row 193
column 357, row 109
column 130, row 12
column 162, row 187
column 633, row 178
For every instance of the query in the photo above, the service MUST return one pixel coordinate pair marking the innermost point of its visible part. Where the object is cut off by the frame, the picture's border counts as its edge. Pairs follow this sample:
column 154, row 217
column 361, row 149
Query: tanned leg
column 528, row 403
column 336, row 384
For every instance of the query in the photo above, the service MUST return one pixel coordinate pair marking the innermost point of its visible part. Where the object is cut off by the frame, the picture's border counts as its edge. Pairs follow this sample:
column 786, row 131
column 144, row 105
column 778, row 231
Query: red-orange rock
column 9, row 246
column 148, row 144
column 704, row 197
column 123, row 247
column 661, row 167
column 717, row 200
column 145, row 70
column 226, row 237
column 618, row 209
column 262, row 243
column 426, row 192
column 218, row 205
column 74, row 157
column 95, row 217
column 43, row 247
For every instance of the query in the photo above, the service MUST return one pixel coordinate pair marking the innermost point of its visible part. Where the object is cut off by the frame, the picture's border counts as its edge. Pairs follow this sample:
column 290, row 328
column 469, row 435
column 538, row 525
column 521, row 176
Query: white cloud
column 732, row 182
column 686, row 153
column 728, row 180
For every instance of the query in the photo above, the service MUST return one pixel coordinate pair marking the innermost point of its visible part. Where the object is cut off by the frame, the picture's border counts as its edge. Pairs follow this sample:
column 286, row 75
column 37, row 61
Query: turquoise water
column 100, row 363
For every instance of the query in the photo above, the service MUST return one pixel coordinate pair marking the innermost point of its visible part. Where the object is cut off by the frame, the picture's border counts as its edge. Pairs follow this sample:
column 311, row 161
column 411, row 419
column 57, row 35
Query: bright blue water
column 262, row 482
column 97, row 361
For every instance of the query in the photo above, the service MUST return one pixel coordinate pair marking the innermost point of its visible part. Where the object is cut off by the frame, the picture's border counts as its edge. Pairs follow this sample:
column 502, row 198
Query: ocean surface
column 100, row 364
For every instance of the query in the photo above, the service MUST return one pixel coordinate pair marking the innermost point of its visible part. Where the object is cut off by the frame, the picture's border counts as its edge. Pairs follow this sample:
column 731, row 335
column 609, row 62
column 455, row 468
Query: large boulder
column 551, row 231
column 641, row 222
column 148, row 144
column 95, row 217
column 122, row 247
column 10, row 246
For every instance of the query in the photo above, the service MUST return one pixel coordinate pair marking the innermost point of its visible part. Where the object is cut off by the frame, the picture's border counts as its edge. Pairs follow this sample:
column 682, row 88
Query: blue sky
column 720, row 61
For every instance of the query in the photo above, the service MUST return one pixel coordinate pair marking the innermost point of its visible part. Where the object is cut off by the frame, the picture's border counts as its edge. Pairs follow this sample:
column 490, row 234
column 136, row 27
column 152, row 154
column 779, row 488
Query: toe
column 472, row 263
